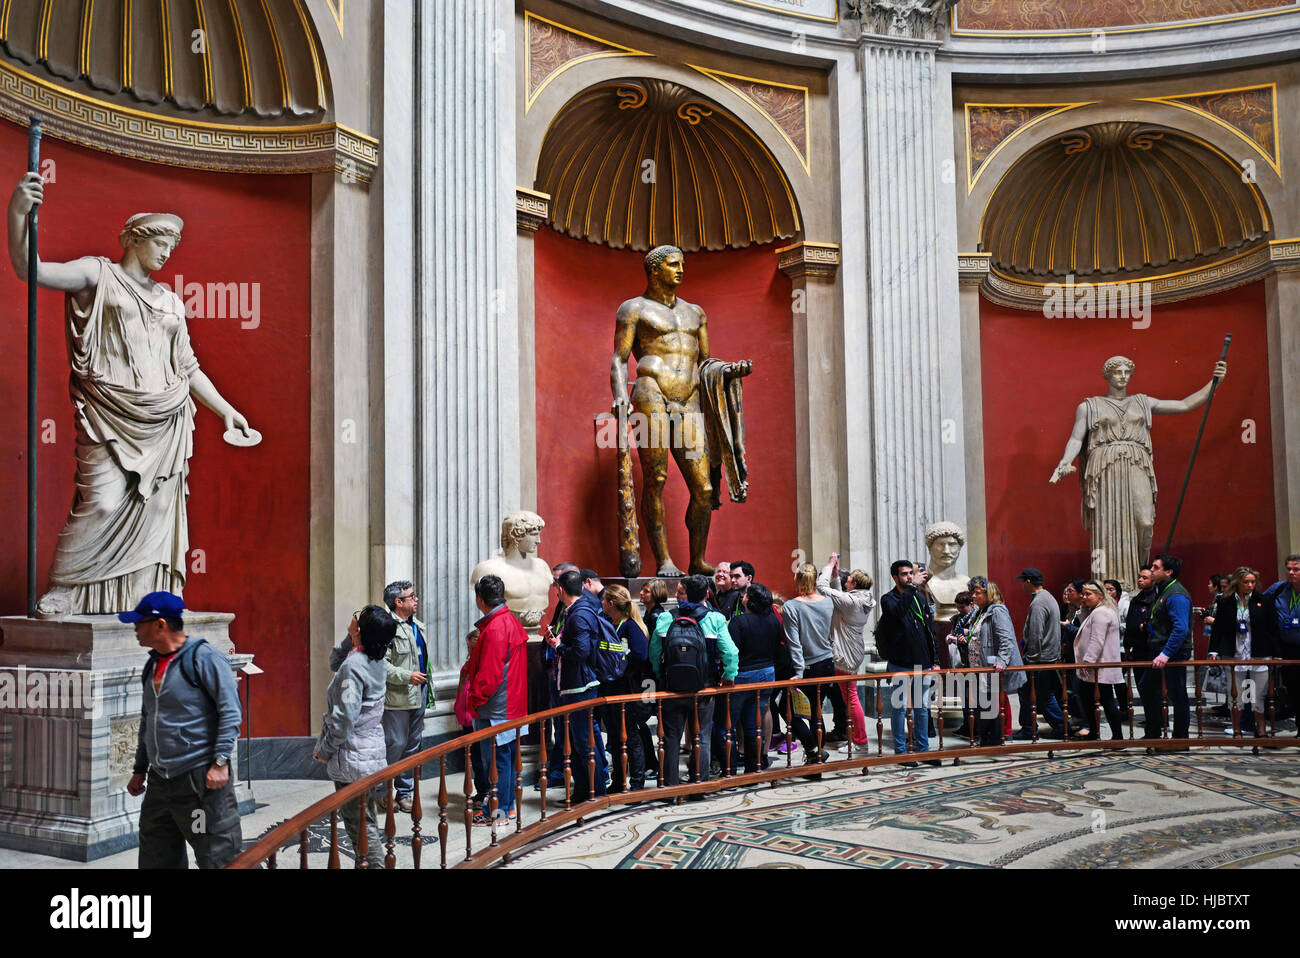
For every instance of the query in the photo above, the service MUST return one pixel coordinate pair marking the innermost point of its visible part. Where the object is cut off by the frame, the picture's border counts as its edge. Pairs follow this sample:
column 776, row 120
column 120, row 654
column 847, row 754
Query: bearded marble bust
column 944, row 541
column 527, row 578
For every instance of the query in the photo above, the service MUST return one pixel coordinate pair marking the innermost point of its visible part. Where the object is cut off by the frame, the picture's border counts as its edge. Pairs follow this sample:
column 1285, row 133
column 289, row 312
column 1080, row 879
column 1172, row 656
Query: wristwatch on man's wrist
column 222, row 761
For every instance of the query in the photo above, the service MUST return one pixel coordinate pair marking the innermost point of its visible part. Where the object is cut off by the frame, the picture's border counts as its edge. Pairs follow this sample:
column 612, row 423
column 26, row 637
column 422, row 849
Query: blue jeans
column 505, row 758
column 917, row 687
column 743, row 714
column 579, row 745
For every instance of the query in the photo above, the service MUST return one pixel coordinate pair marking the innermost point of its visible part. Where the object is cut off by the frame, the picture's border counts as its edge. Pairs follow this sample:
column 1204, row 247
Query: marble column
column 1282, row 302
column 468, row 407
column 819, row 403
column 912, row 309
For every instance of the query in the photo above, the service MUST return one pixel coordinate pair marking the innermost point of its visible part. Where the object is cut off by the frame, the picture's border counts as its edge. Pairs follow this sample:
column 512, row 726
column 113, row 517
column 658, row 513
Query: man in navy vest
column 1286, row 596
column 1169, row 639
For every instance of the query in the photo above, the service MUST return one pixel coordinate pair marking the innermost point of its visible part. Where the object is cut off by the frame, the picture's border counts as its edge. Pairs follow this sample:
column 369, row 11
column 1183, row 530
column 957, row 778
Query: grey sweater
column 1042, row 635
column 808, row 631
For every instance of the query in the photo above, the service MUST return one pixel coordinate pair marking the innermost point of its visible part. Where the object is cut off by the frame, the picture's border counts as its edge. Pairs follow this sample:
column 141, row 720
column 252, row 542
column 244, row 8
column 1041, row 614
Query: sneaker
column 1024, row 735
column 785, row 748
column 834, row 738
column 910, row 764
column 405, row 803
column 484, row 818
column 937, row 762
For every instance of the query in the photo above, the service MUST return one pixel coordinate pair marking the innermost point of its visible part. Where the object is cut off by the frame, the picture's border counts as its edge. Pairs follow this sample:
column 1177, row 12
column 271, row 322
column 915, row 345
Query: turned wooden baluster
column 880, row 724
column 334, row 839
column 302, row 849
column 270, row 862
column 591, row 754
column 1234, row 705
column 695, row 746
column 1200, row 701
column 1033, row 705
column 568, row 764
column 789, row 722
column 417, row 812
column 818, row 730
column 726, row 733
column 1067, row 679
column 1096, row 703
column 443, row 828
column 491, row 802
column 1130, row 686
column 908, row 715
column 363, row 831
column 938, row 724
column 467, row 787
column 390, row 827
column 760, row 747
column 519, row 780
column 622, row 738
column 659, row 736
column 1164, row 704
column 1270, row 701
column 848, row 718
column 543, row 767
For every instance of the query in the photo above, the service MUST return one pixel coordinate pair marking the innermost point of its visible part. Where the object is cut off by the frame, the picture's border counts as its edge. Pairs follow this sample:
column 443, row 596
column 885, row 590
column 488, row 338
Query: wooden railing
column 506, row 837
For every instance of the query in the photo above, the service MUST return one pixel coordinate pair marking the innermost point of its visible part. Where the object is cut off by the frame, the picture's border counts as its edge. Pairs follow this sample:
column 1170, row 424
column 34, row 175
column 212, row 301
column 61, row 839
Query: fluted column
column 468, row 341
column 913, row 315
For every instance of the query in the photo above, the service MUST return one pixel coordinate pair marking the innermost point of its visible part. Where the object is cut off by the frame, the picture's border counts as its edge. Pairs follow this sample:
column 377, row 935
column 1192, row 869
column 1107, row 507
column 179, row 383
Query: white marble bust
column 944, row 542
column 527, row 578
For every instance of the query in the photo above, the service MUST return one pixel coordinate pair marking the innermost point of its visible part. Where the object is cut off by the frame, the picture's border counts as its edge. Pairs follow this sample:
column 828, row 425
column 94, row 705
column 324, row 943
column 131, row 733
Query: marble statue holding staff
column 133, row 376
column 1112, row 438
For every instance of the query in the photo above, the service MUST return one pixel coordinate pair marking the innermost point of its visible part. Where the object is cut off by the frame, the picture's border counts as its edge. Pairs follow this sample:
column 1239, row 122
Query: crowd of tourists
column 730, row 631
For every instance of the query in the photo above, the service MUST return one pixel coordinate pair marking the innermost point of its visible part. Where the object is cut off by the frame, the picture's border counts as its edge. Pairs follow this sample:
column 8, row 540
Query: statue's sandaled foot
column 669, row 571
column 701, row 568
column 54, row 603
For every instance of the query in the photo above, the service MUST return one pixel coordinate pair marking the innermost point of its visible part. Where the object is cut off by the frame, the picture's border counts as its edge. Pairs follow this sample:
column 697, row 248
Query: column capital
column 901, row 19
column 532, row 209
column 973, row 267
column 809, row 259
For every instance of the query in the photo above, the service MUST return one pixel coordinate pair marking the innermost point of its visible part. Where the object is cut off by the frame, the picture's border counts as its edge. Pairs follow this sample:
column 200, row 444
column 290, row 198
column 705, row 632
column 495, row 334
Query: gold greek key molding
column 1284, row 254
column 809, row 259
column 532, row 209
column 973, row 267
column 192, row 144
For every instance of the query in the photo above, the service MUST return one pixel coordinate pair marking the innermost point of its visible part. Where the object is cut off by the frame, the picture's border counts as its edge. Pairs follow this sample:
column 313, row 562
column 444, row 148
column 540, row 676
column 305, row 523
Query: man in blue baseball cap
column 189, row 721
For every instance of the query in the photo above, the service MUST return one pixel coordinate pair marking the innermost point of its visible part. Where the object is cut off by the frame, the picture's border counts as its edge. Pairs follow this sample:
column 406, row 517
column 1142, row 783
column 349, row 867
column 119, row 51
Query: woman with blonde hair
column 807, row 622
column 1098, row 641
column 1246, row 627
column 631, row 717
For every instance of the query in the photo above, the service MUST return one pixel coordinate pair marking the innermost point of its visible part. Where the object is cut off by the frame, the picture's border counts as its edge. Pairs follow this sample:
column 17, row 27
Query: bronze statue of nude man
column 669, row 338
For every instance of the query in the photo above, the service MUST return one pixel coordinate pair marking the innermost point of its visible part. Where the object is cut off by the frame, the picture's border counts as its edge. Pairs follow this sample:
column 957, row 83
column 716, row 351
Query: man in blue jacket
column 1169, row 640
column 1286, row 597
column 188, row 725
column 578, row 683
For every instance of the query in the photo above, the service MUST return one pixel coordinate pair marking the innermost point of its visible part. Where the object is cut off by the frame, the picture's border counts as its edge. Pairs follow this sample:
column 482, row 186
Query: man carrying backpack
column 189, row 721
column 579, row 650
column 689, row 652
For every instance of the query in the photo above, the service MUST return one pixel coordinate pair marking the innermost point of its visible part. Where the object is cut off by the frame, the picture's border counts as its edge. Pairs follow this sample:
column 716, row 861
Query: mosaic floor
column 1203, row 809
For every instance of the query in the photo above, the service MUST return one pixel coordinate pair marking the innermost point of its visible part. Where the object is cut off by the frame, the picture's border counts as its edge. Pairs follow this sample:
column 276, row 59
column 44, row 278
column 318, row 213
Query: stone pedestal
column 70, row 698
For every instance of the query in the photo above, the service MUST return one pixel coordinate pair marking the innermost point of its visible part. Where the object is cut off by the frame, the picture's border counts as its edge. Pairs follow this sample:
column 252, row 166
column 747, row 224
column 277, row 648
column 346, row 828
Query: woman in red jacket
column 498, row 688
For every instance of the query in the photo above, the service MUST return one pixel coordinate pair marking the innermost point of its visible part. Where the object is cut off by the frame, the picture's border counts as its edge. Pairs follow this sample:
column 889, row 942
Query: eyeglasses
column 406, row 598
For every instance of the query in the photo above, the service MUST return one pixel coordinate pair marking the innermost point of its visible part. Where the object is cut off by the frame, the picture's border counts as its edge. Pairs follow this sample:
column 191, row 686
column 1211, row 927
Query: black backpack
column 609, row 655
column 686, row 663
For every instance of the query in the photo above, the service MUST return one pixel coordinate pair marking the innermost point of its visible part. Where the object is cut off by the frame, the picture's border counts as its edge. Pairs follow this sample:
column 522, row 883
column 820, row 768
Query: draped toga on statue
column 1119, row 484
column 130, row 387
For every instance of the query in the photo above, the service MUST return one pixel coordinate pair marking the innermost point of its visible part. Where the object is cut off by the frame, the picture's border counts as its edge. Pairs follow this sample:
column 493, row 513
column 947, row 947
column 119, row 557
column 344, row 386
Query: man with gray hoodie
column 189, row 721
column 1041, row 646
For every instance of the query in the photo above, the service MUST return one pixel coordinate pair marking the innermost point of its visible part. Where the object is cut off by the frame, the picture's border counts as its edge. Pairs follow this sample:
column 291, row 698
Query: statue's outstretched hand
column 234, row 419
column 738, row 370
column 1064, row 469
column 29, row 192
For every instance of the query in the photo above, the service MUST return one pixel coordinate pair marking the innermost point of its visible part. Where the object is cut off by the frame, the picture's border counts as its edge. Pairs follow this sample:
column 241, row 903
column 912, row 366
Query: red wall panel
column 248, row 508
column 1035, row 373
column 579, row 287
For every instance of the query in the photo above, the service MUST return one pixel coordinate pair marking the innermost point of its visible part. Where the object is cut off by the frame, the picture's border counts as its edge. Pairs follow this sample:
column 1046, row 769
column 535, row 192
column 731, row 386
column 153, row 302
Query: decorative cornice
column 192, row 144
column 1274, row 256
column 532, row 209
column 907, row 19
column 973, row 267
column 820, row 260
